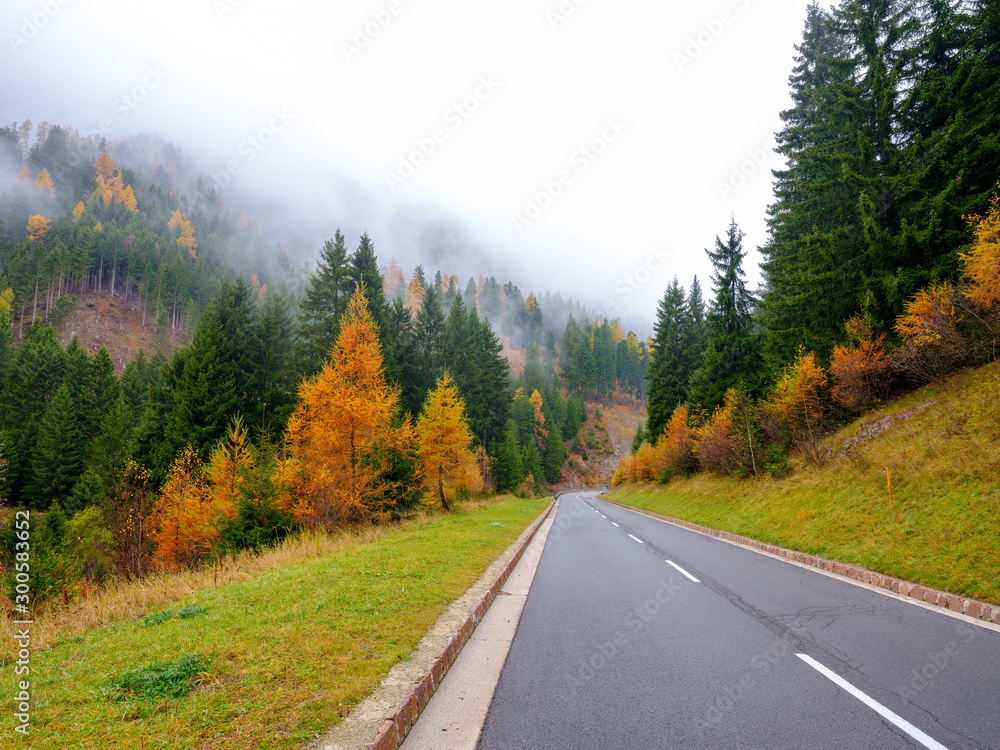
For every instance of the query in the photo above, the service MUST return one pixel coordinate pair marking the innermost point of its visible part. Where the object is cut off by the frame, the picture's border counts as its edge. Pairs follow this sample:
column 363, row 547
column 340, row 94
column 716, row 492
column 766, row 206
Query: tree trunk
column 444, row 502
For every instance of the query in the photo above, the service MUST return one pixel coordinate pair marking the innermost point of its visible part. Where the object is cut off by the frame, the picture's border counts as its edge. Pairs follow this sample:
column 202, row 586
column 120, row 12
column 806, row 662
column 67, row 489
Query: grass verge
column 270, row 661
column 941, row 446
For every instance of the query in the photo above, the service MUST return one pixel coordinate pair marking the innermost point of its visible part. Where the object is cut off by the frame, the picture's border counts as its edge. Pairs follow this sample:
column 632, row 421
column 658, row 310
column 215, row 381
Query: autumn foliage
column 182, row 518
column 38, row 227
column 446, row 464
column 677, row 444
column 331, row 473
column 862, row 372
column 187, row 240
column 714, row 439
column 981, row 264
column 798, row 396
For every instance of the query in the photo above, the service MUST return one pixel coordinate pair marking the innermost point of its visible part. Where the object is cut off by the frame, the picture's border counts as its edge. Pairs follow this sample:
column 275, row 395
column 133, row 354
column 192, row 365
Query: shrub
column 933, row 345
column 677, row 446
column 862, row 373
column 90, row 544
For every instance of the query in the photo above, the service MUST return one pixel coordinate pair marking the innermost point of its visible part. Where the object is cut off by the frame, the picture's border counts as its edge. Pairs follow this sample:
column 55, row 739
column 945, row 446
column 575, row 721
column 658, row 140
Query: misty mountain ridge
column 274, row 237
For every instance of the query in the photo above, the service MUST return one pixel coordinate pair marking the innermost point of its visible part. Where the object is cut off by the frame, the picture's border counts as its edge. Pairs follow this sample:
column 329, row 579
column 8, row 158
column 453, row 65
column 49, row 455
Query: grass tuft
column 162, row 679
column 158, row 618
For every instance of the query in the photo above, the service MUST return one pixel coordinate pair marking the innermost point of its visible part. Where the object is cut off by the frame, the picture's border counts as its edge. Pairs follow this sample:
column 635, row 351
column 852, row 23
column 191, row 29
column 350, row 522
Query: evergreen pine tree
column 733, row 356
column 669, row 372
column 57, row 461
column 555, row 454
column 507, row 470
column 324, row 304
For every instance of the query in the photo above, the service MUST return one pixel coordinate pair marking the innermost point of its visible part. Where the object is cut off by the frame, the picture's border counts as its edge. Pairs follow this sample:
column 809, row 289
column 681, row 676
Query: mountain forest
column 275, row 394
column 280, row 393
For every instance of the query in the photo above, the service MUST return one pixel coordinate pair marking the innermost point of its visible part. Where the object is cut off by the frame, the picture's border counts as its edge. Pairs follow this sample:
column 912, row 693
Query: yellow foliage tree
column 227, row 467
column 24, row 176
column 394, row 284
column 128, row 199
column 104, row 191
column 78, row 211
column 176, row 220
column 414, row 293
column 677, row 444
column 330, row 474
column 105, row 166
column 187, row 239
column 38, row 227
column 981, row 264
column 797, row 399
column 540, row 431
column 116, row 186
column 6, row 302
column 714, row 440
column 44, row 182
column 185, row 517
column 444, row 438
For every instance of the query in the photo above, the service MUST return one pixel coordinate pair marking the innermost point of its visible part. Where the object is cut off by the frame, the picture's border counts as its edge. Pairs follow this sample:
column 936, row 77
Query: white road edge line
column 873, row 704
column 635, row 537
column 614, row 524
column 682, row 571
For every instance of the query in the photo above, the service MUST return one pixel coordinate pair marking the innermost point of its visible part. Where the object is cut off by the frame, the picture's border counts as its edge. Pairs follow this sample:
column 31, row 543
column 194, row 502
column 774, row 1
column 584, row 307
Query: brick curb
column 968, row 607
column 394, row 730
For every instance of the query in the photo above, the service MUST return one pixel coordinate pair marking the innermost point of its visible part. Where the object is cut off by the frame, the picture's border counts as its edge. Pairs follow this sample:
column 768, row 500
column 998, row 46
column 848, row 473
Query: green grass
column 943, row 529
column 272, row 661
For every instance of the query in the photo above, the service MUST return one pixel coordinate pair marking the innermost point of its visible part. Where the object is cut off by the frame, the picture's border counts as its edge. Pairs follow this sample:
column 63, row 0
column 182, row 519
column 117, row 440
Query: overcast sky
column 598, row 146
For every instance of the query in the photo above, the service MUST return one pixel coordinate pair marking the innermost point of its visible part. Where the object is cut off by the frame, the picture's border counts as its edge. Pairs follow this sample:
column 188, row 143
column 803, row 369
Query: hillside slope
column 941, row 447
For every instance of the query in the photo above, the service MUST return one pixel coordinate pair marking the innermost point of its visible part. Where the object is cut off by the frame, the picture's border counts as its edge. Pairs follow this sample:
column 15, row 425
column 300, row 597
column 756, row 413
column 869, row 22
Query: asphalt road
column 640, row 634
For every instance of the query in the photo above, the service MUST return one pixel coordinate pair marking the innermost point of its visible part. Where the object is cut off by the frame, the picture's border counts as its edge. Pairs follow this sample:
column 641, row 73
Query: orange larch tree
column 332, row 472
column 228, row 467
column 176, row 219
column 184, row 517
column 38, row 227
column 981, row 264
column 797, row 398
column 128, row 199
column 862, row 372
column 415, row 293
column 187, row 239
column 540, row 432
column 103, row 191
column 105, row 166
column 44, row 182
column 78, row 211
column 393, row 281
column 444, row 436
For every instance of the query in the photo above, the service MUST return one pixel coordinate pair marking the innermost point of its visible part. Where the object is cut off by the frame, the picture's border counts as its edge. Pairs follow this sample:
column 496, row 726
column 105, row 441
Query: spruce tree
column 507, row 470
column 555, row 454
column 324, row 304
column 668, row 373
column 733, row 354
column 58, row 460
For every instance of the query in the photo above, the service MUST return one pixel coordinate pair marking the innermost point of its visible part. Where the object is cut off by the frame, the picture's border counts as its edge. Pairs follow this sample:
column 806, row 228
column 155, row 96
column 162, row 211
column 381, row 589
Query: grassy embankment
column 943, row 529
column 287, row 648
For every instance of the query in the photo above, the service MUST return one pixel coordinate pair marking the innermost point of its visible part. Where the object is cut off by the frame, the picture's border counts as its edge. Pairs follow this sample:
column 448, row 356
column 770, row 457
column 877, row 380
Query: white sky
column 503, row 95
